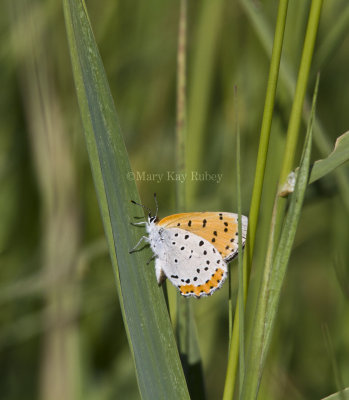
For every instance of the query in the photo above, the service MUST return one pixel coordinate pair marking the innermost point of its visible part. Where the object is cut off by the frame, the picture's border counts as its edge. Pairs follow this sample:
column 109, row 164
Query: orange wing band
column 206, row 288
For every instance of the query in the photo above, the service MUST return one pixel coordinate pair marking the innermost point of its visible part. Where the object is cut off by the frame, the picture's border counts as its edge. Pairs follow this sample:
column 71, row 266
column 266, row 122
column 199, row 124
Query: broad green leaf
column 339, row 156
column 147, row 323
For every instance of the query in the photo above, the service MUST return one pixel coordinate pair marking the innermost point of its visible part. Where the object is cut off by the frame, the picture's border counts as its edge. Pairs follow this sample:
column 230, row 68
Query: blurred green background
column 62, row 334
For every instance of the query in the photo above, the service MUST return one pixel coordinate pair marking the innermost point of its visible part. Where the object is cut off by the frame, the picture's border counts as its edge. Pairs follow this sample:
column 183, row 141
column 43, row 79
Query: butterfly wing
column 218, row 228
column 190, row 262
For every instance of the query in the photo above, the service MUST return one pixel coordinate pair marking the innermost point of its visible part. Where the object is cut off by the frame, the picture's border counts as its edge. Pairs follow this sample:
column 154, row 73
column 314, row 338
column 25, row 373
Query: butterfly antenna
column 157, row 205
column 141, row 205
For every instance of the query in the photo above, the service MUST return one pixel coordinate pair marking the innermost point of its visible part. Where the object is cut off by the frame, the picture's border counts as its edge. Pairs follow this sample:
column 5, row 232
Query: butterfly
column 193, row 249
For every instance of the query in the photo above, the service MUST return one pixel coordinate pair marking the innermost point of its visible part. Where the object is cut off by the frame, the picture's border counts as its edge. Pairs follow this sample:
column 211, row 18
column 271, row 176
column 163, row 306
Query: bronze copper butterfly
column 193, row 249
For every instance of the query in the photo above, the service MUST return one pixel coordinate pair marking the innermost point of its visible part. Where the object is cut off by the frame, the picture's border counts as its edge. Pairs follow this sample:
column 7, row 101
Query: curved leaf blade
column 337, row 157
column 150, row 335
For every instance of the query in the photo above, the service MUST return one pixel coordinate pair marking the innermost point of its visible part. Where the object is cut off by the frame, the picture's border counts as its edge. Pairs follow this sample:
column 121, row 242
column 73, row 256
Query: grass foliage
column 80, row 316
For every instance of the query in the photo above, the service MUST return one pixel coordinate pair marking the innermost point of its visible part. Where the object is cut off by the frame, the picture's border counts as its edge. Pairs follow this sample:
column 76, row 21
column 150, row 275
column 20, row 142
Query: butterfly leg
column 138, row 223
column 150, row 259
column 139, row 242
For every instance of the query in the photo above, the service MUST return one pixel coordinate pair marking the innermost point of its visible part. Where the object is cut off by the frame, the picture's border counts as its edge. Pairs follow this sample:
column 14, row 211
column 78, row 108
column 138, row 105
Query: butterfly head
column 152, row 219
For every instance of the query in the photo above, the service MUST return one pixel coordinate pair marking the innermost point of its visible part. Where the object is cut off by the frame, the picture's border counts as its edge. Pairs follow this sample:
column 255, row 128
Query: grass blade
column 181, row 120
column 242, row 276
column 257, row 189
column 286, row 77
column 185, row 325
column 303, row 74
column 151, row 339
column 274, row 274
column 201, row 79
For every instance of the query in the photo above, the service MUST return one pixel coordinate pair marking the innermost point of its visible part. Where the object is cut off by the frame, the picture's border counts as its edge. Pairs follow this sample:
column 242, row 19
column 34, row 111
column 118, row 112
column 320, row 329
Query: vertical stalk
column 206, row 45
column 257, row 189
column 274, row 272
column 301, row 87
column 181, row 123
column 240, row 265
column 185, row 327
column 181, row 308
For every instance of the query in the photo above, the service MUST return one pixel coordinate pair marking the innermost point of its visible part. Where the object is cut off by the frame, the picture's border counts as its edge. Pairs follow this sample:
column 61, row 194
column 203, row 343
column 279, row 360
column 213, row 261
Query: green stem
column 185, row 327
column 203, row 62
column 181, row 123
column 240, row 266
column 303, row 75
column 257, row 189
column 274, row 272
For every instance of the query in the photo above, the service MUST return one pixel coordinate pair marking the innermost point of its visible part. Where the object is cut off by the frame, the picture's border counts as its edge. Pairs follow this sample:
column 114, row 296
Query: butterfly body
column 192, row 249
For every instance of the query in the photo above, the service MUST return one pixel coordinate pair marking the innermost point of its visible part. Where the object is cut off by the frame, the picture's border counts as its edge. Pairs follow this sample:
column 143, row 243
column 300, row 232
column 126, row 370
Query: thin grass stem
column 257, row 188
column 301, row 87
column 185, row 322
column 274, row 272
column 240, row 264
